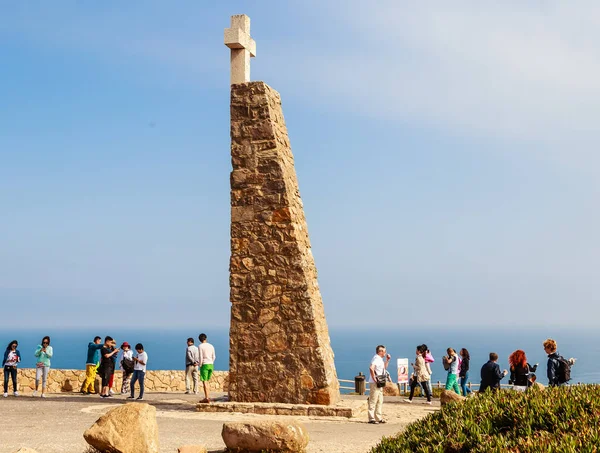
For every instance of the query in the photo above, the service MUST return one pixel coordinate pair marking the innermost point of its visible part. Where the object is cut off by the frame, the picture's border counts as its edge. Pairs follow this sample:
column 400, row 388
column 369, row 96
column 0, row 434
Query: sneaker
column 35, row 393
column 43, row 395
column 5, row 395
column 103, row 396
column 140, row 398
column 382, row 421
column 196, row 392
column 111, row 391
column 372, row 422
column 408, row 401
column 427, row 402
column 131, row 397
column 187, row 392
column 16, row 393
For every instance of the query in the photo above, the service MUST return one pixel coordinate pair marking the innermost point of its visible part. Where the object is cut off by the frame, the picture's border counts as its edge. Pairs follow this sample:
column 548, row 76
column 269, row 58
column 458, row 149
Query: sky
column 447, row 157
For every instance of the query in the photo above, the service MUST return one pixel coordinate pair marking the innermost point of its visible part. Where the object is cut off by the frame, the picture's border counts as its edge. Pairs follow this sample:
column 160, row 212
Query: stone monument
column 280, row 350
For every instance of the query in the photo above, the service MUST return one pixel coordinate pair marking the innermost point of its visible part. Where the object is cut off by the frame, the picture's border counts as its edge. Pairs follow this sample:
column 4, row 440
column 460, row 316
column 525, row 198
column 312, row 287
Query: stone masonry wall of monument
column 280, row 349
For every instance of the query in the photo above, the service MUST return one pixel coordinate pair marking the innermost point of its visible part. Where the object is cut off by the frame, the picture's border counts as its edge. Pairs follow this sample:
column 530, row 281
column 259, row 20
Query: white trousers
column 375, row 403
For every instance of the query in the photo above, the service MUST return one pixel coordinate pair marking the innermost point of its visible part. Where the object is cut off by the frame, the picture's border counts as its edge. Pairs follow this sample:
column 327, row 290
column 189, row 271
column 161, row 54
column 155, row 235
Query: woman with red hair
column 519, row 370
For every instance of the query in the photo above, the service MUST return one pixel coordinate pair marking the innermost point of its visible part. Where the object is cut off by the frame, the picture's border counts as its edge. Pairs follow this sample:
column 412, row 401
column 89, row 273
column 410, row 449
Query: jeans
column 41, row 372
column 12, row 371
column 428, row 383
column 413, row 386
column 463, row 384
column 138, row 375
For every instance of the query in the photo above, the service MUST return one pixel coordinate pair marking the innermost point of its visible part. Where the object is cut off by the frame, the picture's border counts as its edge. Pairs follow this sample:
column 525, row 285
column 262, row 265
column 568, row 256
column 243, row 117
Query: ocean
column 353, row 348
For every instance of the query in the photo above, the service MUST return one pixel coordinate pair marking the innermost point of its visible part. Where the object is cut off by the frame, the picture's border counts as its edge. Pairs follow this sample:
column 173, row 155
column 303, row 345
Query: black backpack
column 127, row 365
column 564, row 370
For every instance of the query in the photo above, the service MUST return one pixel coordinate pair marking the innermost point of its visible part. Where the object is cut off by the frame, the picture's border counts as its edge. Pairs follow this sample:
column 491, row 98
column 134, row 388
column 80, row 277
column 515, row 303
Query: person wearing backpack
column 451, row 365
column 127, row 365
column 559, row 368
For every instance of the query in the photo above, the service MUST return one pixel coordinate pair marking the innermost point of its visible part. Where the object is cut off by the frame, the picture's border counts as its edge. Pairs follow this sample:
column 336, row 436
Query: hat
column 125, row 344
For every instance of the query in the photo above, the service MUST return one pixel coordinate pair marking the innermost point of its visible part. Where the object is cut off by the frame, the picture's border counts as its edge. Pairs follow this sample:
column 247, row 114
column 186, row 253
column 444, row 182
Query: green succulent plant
column 553, row 420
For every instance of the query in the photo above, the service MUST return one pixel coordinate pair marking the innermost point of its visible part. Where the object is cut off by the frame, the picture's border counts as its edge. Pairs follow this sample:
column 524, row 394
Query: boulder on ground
column 130, row 428
column 192, row 449
column 449, row 396
column 391, row 389
column 255, row 436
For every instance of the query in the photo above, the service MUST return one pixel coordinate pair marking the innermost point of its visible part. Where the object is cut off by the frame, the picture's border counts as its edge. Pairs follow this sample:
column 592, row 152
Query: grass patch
column 554, row 420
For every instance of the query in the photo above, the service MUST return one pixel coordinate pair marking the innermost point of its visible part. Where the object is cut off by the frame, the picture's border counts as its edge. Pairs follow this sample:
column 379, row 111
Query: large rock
column 391, row 389
column 257, row 436
column 130, row 428
column 449, row 396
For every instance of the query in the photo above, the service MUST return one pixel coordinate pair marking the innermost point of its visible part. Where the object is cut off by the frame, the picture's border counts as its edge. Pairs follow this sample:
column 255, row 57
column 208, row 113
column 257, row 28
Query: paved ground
column 56, row 424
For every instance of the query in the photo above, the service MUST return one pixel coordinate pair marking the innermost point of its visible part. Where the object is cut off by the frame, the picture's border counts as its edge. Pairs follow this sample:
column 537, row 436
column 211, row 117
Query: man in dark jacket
column 554, row 375
column 491, row 374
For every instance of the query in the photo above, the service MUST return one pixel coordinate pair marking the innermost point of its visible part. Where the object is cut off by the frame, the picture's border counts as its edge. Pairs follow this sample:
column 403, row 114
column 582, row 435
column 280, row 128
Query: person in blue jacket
column 491, row 374
column 91, row 365
column 12, row 357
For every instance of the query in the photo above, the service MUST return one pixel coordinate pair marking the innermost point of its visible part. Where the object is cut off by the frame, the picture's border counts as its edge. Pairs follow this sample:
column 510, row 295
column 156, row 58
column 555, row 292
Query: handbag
column 381, row 379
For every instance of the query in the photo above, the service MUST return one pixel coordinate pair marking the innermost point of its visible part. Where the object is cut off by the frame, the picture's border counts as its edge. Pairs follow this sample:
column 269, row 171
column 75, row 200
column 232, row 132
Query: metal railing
column 404, row 388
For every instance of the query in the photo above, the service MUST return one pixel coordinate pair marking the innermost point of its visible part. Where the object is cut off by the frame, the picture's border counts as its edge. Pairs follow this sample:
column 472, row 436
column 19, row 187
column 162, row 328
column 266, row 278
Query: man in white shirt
column 206, row 351
column 377, row 368
column 192, row 360
column 139, row 371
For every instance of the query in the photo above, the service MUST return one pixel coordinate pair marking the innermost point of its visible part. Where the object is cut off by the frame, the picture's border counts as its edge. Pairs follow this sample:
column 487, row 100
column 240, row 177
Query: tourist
column 377, row 368
column 43, row 353
column 451, row 365
column 192, row 361
column 107, row 364
column 91, row 366
column 206, row 358
column 139, row 371
column 491, row 374
column 127, row 365
column 463, row 373
column 111, row 381
column 420, row 375
column 519, row 371
column 428, row 361
column 557, row 374
column 12, row 357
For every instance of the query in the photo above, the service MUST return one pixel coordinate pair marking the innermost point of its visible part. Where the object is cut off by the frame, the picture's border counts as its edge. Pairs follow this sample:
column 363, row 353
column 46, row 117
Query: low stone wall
column 72, row 381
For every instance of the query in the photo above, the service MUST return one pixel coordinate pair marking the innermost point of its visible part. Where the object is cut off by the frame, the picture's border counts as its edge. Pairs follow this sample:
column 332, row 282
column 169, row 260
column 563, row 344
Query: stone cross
column 242, row 46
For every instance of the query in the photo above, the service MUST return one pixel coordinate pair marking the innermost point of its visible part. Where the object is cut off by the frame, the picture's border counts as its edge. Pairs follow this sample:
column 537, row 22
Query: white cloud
column 502, row 71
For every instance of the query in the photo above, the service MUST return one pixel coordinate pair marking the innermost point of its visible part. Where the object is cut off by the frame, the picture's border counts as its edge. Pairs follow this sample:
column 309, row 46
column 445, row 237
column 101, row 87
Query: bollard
column 359, row 383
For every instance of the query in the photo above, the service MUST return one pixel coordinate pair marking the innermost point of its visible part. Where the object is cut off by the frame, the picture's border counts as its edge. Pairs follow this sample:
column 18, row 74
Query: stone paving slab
column 345, row 408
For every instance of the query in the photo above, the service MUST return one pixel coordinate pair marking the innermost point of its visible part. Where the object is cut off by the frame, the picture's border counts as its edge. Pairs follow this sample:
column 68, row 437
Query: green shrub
column 554, row 420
